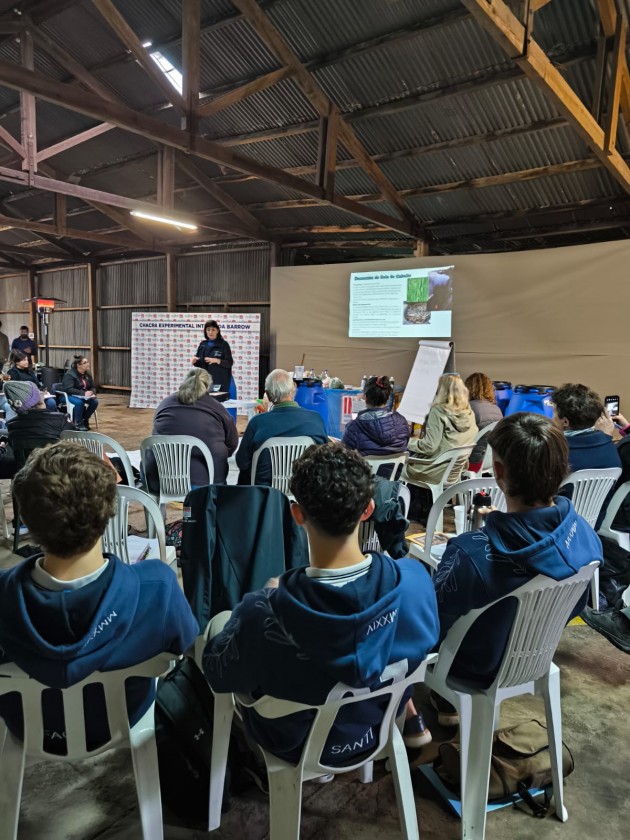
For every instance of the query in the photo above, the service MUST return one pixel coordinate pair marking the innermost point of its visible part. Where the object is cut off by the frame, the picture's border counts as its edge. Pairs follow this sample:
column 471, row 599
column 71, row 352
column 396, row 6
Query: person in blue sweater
column 73, row 610
column 285, row 419
column 576, row 412
column 342, row 619
column 377, row 430
column 539, row 534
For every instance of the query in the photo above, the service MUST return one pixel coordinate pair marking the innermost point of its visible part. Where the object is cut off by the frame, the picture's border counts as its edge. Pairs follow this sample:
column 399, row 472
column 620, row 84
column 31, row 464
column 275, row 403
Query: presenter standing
column 215, row 356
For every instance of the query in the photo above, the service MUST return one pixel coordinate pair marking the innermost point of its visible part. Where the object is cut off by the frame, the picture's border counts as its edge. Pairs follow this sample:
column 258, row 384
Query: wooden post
column 33, row 318
column 171, row 283
column 421, row 249
column 191, row 13
column 27, row 108
column 166, row 177
column 92, row 270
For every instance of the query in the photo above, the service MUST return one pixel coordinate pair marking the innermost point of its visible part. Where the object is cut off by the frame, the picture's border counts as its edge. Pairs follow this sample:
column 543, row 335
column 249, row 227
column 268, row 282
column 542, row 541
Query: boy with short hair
column 73, row 610
column 342, row 619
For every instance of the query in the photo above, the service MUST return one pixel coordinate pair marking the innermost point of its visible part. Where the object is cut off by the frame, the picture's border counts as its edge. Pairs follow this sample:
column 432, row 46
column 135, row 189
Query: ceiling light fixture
column 165, row 220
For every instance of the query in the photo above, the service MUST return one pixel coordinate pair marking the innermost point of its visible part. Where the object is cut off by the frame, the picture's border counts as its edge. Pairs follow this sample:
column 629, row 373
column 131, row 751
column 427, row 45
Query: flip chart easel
column 433, row 359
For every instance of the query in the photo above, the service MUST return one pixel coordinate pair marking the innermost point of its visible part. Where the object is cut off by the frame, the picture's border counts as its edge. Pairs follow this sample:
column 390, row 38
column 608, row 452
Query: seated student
column 285, row 419
column 32, row 426
column 540, row 533
column 78, row 384
column 483, row 404
column 21, row 370
column 73, row 610
column 376, row 430
column 193, row 411
column 576, row 412
column 342, row 619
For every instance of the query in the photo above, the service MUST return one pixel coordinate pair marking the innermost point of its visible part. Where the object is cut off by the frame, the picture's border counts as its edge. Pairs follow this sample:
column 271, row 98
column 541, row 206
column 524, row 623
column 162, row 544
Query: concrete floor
column 95, row 799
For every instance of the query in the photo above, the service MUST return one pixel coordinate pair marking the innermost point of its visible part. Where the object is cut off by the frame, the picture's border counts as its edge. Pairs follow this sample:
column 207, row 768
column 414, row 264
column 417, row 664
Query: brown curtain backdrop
column 534, row 317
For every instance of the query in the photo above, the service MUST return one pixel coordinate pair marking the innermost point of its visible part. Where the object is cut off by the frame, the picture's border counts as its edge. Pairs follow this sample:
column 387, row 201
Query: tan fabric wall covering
column 535, row 317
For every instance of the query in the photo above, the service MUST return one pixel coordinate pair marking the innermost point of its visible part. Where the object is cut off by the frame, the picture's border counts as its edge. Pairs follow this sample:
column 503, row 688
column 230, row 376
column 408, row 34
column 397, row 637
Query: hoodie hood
column 552, row 541
column 73, row 647
column 460, row 421
column 349, row 642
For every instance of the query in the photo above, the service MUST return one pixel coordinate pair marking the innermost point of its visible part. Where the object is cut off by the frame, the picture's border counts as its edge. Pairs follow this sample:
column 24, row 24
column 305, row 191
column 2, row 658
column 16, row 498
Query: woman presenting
column 215, row 356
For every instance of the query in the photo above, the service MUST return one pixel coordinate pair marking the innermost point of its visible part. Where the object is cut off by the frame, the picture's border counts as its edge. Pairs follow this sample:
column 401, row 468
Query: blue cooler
column 503, row 392
column 310, row 394
column 233, row 395
column 534, row 398
column 334, row 397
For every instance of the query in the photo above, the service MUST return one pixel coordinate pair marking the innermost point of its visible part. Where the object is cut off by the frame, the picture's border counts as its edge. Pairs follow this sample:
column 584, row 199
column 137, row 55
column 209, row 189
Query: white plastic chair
column 140, row 738
column 368, row 539
column 543, row 609
column 283, row 451
column 115, row 536
column 393, row 461
column 486, row 464
column 172, row 455
column 590, row 489
column 101, row 444
column 465, row 491
column 285, row 780
column 454, row 461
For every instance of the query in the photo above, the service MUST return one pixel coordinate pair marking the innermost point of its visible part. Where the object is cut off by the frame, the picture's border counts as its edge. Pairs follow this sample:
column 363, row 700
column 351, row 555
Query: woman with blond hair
column 449, row 423
column 192, row 411
column 483, row 403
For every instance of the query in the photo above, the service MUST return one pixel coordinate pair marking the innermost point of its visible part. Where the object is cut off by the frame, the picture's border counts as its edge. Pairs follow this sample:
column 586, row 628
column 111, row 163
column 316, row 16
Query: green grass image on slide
column 417, row 290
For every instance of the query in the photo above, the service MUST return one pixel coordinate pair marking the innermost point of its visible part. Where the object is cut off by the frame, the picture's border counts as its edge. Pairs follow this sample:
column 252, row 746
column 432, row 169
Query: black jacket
column 390, row 523
column 18, row 375
column 233, row 541
column 221, row 373
column 32, row 430
column 73, row 385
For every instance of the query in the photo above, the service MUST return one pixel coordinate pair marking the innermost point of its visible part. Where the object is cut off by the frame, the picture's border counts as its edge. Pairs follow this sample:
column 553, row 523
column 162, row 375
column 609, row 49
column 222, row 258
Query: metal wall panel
column 138, row 282
column 239, row 275
column 13, row 290
column 69, row 284
column 115, row 368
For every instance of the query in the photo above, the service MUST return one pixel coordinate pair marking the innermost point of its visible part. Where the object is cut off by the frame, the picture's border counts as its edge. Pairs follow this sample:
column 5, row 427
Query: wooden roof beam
column 191, row 18
column 497, row 19
column 74, row 140
column 248, row 220
column 117, row 22
column 68, row 96
column 212, row 106
column 608, row 16
column 276, row 42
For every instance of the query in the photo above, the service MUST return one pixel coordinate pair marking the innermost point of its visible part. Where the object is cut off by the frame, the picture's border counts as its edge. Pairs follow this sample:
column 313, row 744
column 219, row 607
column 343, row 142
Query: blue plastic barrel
column 503, row 392
column 311, row 395
column 334, row 397
column 534, row 398
column 233, row 395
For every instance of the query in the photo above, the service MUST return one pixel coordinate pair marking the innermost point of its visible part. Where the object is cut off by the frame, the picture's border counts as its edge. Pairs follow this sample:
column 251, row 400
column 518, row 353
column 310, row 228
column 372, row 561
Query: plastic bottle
column 364, row 381
column 478, row 510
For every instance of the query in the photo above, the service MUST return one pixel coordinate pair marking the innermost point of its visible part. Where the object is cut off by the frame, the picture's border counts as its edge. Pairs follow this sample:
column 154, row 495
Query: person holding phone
column 215, row 356
column 577, row 411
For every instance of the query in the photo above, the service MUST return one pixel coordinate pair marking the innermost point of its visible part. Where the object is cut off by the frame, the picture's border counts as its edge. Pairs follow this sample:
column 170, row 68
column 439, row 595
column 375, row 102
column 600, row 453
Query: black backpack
column 184, row 709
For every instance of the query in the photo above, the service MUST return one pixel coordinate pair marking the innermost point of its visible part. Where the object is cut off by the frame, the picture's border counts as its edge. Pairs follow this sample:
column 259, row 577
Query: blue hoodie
column 480, row 566
column 298, row 641
column 125, row 616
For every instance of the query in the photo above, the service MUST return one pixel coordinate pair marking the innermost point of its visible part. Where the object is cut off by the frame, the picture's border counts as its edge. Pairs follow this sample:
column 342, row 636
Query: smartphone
column 612, row 405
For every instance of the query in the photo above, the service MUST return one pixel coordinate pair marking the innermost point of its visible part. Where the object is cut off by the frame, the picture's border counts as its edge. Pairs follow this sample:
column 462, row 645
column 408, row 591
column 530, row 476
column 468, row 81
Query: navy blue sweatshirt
column 126, row 616
column 480, row 566
column 298, row 641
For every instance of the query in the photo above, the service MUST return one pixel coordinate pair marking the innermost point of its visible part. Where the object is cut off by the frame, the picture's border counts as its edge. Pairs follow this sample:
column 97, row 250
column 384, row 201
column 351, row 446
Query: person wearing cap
column 33, row 426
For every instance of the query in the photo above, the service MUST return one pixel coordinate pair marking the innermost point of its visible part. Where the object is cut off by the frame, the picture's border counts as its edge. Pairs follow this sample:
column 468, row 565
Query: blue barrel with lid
column 503, row 391
column 310, row 394
column 534, row 398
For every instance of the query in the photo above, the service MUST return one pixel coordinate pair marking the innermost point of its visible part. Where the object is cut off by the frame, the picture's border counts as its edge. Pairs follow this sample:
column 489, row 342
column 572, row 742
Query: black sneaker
column 415, row 733
column 612, row 624
column 447, row 713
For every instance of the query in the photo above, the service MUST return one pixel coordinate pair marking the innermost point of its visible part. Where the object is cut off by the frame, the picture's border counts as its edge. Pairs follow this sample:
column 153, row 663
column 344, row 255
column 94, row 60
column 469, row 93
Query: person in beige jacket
column 449, row 423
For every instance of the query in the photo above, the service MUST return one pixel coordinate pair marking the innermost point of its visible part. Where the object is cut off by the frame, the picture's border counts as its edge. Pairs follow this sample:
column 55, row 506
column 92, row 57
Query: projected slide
column 401, row 304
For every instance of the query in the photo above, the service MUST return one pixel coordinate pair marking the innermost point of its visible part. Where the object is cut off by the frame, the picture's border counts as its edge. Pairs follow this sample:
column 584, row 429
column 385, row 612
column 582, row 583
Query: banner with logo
column 163, row 343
